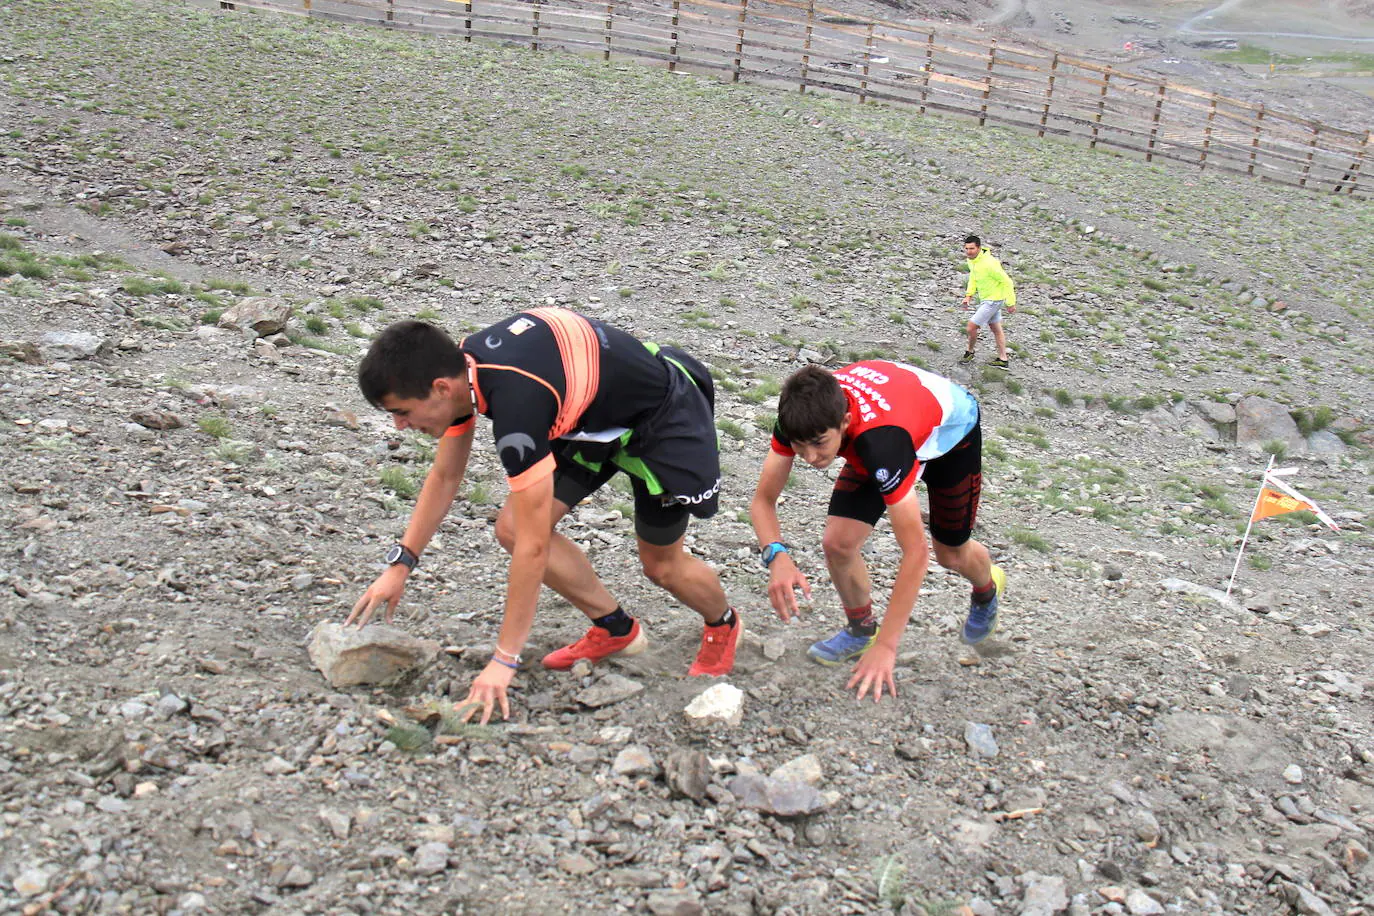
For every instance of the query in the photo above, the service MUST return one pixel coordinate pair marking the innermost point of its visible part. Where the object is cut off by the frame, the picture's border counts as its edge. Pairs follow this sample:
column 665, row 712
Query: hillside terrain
column 184, row 502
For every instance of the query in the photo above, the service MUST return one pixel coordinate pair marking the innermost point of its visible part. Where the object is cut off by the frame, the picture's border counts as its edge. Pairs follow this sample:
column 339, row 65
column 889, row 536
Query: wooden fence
column 811, row 48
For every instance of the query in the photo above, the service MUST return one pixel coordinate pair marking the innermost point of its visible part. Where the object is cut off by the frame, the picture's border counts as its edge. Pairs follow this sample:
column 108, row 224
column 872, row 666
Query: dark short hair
column 973, row 240
column 811, row 403
column 405, row 359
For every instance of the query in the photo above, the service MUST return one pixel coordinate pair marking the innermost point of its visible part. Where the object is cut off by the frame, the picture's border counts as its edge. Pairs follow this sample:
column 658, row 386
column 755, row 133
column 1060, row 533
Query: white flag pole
column 1248, row 525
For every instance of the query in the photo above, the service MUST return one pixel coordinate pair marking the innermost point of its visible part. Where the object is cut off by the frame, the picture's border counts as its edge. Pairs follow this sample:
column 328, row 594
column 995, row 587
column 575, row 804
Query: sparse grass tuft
column 1032, row 539
column 398, row 481
column 218, row 427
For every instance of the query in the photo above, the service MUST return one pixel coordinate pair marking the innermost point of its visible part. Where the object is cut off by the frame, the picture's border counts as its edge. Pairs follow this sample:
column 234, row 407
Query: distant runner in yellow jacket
column 993, row 290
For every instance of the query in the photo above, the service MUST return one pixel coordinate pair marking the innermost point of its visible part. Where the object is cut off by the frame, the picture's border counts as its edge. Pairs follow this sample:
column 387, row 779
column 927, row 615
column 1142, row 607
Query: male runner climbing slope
column 893, row 424
column 572, row 401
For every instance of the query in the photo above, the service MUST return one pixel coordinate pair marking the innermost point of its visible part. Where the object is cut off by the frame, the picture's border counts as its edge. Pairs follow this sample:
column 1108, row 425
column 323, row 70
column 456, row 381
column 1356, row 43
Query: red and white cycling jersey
column 899, row 417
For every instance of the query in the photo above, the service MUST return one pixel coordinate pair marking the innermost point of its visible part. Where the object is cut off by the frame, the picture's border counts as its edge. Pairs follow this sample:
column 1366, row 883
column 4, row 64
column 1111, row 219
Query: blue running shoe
column 841, row 647
column 982, row 618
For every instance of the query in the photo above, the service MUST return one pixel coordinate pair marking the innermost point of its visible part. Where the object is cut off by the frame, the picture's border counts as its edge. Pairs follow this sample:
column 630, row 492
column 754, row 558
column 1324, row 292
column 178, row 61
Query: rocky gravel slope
column 184, row 501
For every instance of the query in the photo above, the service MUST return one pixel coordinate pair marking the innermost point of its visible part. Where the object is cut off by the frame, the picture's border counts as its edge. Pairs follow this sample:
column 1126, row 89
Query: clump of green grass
column 234, row 451
column 15, row 259
column 1311, row 420
column 316, row 324
column 237, row 287
column 142, row 286
column 396, row 480
column 1276, row 447
column 731, row 428
column 365, row 303
column 765, row 389
column 427, row 314
column 1032, row 539
column 218, row 427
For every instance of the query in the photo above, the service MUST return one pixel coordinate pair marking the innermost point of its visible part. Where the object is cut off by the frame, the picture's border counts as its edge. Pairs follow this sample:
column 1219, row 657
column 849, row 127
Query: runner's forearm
column 436, row 496
column 905, row 590
column 527, row 565
column 764, row 516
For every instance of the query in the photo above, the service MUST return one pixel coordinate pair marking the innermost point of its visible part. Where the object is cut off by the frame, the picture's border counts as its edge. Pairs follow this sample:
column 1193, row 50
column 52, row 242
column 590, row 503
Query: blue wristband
column 501, row 661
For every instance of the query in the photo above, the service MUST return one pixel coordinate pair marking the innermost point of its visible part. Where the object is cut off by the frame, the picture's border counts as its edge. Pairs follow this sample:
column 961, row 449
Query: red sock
column 861, row 620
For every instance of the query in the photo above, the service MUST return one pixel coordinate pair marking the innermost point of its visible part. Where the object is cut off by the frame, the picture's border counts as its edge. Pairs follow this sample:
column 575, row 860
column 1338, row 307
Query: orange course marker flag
column 1272, row 502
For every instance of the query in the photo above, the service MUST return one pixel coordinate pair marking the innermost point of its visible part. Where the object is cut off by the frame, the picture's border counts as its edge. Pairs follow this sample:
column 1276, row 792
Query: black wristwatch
column 400, row 553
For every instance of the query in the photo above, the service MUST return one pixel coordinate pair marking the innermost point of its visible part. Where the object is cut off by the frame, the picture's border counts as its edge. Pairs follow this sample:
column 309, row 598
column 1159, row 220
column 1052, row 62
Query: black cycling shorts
column 659, row 520
column 954, row 482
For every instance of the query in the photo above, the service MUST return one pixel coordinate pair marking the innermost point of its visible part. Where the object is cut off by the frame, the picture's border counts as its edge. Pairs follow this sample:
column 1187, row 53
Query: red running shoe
column 716, row 656
column 597, row 643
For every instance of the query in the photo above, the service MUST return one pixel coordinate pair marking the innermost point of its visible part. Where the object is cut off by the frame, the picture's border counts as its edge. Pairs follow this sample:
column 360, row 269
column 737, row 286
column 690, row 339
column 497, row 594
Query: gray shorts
column 988, row 311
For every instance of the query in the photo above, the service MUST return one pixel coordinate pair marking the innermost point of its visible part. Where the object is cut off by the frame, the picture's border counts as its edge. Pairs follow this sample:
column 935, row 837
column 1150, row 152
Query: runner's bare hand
column 385, row 590
column 783, row 581
column 488, row 689
column 874, row 670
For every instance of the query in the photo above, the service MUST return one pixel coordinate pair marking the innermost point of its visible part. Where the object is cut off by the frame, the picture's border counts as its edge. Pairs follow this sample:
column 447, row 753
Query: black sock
column 986, row 593
column 726, row 621
column 617, row 623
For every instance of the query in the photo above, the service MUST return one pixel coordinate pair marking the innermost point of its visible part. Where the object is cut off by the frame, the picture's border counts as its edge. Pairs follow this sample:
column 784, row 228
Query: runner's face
column 430, row 415
column 821, row 451
column 971, row 251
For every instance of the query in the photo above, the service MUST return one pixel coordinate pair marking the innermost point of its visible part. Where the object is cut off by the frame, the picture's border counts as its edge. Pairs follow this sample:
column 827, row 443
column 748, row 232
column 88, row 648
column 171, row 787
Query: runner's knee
column 662, row 568
column 839, row 548
column 505, row 530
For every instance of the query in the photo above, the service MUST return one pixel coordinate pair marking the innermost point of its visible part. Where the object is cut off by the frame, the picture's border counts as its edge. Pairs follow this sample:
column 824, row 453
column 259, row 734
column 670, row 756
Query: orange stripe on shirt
column 581, row 352
column 533, row 474
column 460, row 429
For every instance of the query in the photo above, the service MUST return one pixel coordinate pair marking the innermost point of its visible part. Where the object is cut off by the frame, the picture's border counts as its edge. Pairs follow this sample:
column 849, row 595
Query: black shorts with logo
column 954, row 482
column 659, row 520
column 672, row 459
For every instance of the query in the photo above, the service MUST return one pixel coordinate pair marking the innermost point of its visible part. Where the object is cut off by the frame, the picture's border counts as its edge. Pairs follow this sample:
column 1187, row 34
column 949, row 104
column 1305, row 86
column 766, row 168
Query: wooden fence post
column 1154, row 126
column 226, row 5
column 987, row 83
column 610, row 9
column 534, row 26
column 1207, row 133
column 467, row 21
column 1049, row 95
column 305, row 5
column 868, row 59
column 1352, row 174
column 806, row 46
column 1311, row 153
column 672, row 51
column 1254, row 143
column 390, row 10
column 1101, row 106
column 927, row 70
column 739, row 40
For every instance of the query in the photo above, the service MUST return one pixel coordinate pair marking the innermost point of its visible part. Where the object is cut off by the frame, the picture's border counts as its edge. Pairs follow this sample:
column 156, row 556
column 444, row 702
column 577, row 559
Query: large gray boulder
column 1259, row 420
column 67, row 345
column 348, row 656
column 264, row 314
column 776, row 797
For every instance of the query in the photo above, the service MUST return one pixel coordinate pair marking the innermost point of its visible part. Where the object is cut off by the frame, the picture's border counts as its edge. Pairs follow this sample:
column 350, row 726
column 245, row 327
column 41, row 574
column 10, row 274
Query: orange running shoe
column 716, row 656
column 597, row 643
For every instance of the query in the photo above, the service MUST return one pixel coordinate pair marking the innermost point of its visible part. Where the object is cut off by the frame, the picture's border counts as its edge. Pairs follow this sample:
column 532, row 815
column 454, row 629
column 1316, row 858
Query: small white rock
column 1292, row 774
column 718, row 703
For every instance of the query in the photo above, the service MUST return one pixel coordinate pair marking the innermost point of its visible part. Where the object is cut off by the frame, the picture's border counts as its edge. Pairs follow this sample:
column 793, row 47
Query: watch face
column 394, row 553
